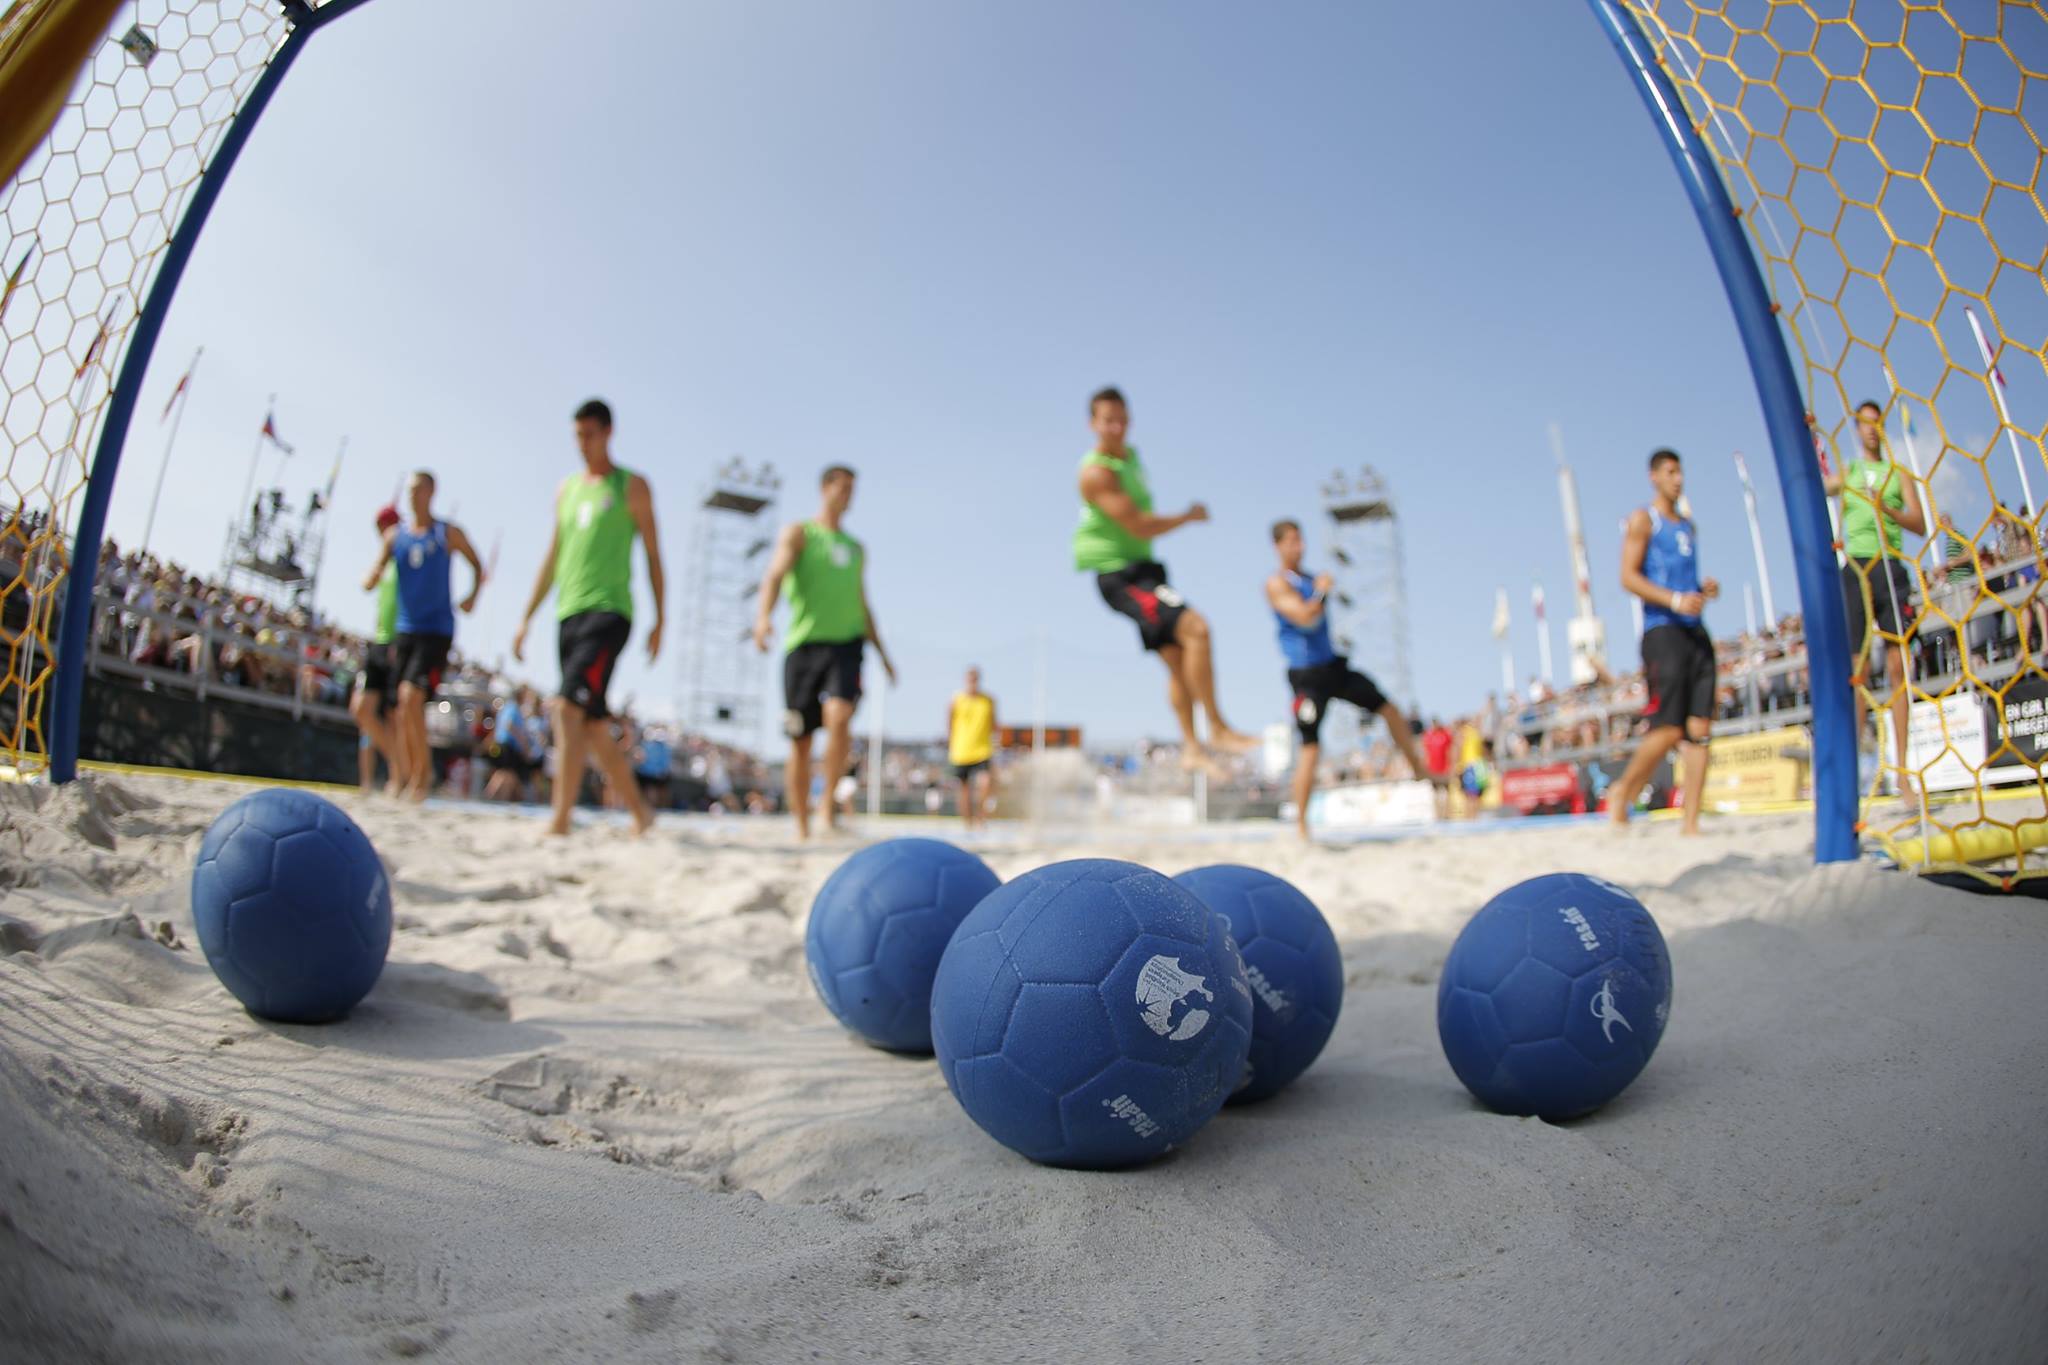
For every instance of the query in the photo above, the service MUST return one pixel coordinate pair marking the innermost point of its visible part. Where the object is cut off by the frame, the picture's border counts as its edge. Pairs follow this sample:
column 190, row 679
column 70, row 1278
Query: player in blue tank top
column 1316, row 672
column 1660, row 564
column 423, row 548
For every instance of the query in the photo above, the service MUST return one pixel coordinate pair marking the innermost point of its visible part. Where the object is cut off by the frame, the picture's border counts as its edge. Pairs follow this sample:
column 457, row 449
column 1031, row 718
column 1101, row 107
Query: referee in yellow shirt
column 970, row 742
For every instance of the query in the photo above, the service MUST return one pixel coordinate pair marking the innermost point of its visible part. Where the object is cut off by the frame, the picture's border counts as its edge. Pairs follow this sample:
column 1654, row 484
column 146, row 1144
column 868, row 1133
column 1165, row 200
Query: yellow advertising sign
column 1769, row 765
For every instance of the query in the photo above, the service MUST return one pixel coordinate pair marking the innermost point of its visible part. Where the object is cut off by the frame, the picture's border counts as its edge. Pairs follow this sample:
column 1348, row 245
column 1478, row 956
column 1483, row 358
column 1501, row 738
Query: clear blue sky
column 912, row 238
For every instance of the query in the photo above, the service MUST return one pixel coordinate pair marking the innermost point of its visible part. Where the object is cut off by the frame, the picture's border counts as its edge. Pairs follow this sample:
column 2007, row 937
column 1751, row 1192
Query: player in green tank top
column 1880, row 502
column 1114, row 542
column 822, row 572
column 589, row 565
column 375, row 683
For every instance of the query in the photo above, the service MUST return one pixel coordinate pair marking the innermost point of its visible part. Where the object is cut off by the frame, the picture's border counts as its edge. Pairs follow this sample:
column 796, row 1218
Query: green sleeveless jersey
column 1100, row 545
column 823, row 590
column 1867, row 482
column 594, row 546
column 387, row 604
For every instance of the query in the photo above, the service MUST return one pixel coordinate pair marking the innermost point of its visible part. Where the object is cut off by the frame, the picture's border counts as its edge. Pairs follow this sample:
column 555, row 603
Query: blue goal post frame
column 74, row 630
column 1835, row 782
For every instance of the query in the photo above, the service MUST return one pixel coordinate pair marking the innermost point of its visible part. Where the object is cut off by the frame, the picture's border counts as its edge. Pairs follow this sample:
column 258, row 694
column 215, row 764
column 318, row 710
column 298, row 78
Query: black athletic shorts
column 1678, row 666
column 1317, row 686
column 1891, row 601
column 965, row 771
column 1140, row 591
column 590, row 643
column 813, row 671
column 420, row 660
column 379, row 678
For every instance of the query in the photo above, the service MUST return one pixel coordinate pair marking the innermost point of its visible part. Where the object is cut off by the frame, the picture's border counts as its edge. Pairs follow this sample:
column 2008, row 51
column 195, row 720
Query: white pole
column 1749, row 607
column 1542, row 636
column 1507, row 670
column 1756, row 541
column 1996, row 383
column 875, row 752
column 177, row 420
column 1038, row 687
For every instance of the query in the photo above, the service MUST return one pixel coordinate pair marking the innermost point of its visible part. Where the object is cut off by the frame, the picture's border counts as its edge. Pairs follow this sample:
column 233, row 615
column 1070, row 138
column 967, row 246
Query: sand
column 593, row 1112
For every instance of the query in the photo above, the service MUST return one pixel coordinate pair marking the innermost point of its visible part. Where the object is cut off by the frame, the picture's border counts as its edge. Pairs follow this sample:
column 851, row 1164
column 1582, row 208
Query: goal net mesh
column 1887, row 161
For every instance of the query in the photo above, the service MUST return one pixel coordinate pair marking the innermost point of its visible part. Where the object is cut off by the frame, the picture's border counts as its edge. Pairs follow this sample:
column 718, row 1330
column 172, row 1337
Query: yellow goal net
column 1887, row 159
column 141, row 94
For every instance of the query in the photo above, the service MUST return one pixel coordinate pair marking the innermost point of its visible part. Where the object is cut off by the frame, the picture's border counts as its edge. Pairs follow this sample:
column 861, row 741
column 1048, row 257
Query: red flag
column 14, row 278
column 177, row 392
column 99, row 341
column 270, row 433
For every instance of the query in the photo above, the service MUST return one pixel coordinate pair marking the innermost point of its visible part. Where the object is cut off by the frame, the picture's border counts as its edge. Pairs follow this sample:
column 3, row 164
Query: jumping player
column 376, row 690
column 422, row 548
column 1316, row 672
column 1114, row 542
column 1660, row 564
column 1879, row 502
column 970, row 744
column 824, row 571
column 589, row 561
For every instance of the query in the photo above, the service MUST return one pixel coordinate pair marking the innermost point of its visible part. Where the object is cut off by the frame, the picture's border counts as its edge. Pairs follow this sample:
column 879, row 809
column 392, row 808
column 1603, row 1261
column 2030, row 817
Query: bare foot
column 1195, row 759
column 643, row 820
column 1232, row 741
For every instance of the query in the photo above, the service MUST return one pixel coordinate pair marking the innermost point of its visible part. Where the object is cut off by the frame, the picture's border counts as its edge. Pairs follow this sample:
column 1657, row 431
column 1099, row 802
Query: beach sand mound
column 593, row 1111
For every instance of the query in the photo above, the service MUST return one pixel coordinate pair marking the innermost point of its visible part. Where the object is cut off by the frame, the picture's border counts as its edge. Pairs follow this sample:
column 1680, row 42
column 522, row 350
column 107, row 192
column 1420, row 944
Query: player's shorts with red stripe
column 590, row 643
column 1141, row 592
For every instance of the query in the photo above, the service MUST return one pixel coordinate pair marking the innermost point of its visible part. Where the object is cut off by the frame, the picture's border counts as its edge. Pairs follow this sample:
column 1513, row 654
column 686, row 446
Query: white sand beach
column 594, row 1112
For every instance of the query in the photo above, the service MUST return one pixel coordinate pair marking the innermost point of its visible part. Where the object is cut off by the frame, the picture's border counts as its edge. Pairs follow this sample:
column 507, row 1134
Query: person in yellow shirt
column 970, row 743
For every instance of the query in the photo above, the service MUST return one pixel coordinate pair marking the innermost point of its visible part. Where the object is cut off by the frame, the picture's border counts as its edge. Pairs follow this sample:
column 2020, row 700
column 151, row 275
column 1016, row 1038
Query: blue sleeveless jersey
column 1673, row 562
column 1305, row 646
column 426, row 606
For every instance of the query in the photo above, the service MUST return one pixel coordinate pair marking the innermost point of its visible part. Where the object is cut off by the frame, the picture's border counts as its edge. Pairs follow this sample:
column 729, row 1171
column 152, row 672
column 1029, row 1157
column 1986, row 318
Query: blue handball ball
column 292, row 906
column 877, row 929
column 1091, row 1014
column 1554, row 996
column 1291, row 962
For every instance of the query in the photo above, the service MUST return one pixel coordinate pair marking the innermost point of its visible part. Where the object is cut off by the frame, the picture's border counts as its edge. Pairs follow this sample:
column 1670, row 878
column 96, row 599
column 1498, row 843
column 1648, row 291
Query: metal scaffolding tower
column 723, row 674
column 1369, row 604
column 274, row 552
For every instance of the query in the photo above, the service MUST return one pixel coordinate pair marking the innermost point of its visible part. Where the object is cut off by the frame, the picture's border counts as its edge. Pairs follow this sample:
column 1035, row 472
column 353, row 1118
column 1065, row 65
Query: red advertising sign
column 1549, row 790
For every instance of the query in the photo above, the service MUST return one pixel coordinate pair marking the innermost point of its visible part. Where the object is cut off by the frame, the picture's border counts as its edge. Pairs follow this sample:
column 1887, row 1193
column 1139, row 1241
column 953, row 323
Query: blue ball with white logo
column 292, row 906
column 1091, row 1014
column 1554, row 996
column 877, row 929
column 1292, row 963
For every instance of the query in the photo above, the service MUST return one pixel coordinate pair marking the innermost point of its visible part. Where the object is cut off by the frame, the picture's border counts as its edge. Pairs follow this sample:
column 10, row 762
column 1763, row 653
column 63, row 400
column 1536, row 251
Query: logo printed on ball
column 1606, row 1013
column 1162, row 984
column 1126, row 1108
column 1570, row 914
column 1275, row 999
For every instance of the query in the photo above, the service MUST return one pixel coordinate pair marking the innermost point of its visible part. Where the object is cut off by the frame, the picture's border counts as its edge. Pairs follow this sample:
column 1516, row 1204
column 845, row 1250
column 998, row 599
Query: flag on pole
column 14, row 278
column 1501, row 618
column 270, row 433
column 178, row 391
column 99, row 342
column 1536, row 600
column 1983, row 347
column 1742, row 472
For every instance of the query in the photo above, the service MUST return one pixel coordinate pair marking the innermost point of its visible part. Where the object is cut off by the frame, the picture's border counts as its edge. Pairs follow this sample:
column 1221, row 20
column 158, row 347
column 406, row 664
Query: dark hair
column 1873, row 405
column 1659, row 458
column 1283, row 526
column 835, row 471
column 596, row 410
column 428, row 475
column 1111, row 394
